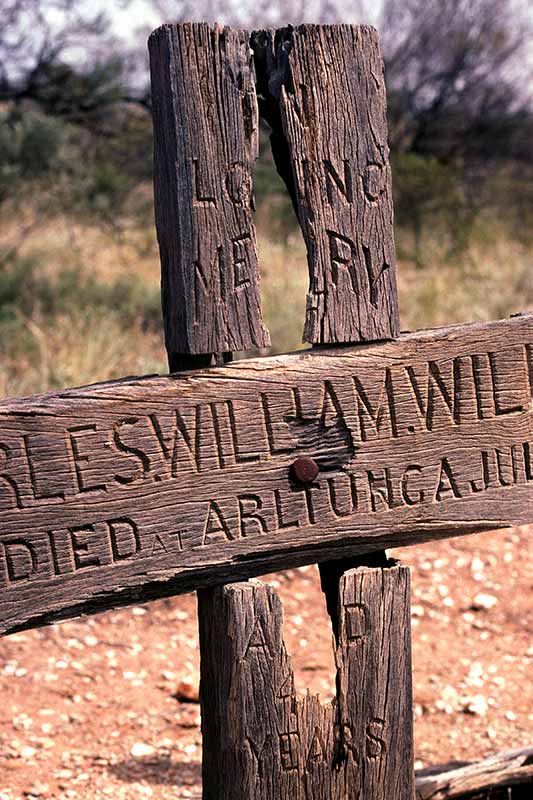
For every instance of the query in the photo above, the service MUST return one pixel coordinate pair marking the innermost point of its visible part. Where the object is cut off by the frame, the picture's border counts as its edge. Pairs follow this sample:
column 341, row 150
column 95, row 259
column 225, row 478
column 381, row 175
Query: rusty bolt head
column 304, row 469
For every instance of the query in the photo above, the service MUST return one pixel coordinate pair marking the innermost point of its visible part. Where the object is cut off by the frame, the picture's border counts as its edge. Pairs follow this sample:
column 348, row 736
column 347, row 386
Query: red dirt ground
column 89, row 709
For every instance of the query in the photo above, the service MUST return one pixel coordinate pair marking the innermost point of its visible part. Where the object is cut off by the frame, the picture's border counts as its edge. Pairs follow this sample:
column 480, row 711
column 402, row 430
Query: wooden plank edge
column 502, row 770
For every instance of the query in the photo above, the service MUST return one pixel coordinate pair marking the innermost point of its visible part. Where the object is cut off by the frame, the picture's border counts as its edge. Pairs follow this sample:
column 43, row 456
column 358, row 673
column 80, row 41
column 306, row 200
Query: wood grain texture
column 263, row 741
column 206, row 140
column 507, row 775
column 323, row 93
column 147, row 487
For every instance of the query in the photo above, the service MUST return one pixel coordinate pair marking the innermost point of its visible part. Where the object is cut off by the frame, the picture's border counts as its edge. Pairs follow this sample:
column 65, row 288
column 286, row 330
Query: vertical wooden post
column 205, row 145
column 263, row 741
column 323, row 93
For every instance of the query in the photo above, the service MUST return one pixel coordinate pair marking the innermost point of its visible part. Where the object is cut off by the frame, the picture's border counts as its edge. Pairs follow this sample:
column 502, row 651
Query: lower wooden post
column 261, row 741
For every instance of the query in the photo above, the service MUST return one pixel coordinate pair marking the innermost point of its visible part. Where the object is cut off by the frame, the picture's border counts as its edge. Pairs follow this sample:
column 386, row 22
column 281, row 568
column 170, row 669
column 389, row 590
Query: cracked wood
column 261, row 740
column 322, row 91
column 205, row 145
column 147, row 487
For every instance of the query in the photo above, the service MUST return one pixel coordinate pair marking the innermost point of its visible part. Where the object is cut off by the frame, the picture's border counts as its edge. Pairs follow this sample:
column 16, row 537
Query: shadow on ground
column 158, row 771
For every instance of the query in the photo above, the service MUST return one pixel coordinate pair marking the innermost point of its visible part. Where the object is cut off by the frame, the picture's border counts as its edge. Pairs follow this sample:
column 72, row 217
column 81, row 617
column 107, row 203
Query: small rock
column 484, row 602
column 37, row 790
column 27, row 752
column 477, row 565
column 510, row 715
column 187, row 692
column 449, row 694
column 142, row 750
column 476, row 705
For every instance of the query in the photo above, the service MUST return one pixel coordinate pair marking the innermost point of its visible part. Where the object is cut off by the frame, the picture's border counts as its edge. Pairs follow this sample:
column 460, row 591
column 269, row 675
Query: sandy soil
column 89, row 707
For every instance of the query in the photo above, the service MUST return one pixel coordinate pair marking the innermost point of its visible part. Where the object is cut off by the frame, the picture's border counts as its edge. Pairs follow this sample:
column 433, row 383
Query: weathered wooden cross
column 146, row 487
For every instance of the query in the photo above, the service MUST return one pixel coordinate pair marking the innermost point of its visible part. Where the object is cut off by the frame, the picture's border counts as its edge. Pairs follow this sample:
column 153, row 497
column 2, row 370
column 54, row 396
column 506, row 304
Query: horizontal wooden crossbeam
column 145, row 487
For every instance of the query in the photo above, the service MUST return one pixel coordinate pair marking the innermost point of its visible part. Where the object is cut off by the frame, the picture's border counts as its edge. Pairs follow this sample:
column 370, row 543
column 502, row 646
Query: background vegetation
column 79, row 269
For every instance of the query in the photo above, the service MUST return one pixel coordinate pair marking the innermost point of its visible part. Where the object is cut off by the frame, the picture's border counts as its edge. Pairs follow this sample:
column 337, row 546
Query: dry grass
column 84, row 343
column 77, row 349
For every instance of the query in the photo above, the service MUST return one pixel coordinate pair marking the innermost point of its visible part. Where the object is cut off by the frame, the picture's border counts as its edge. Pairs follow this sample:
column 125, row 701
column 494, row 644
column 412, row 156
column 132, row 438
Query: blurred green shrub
column 26, row 290
column 65, row 168
column 29, row 148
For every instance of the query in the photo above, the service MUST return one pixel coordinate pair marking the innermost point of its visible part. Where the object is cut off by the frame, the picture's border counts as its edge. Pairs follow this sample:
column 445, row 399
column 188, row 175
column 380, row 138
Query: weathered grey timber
column 263, row 741
column 153, row 486
column 507, row 775
column 323, row 93
column 206, row 139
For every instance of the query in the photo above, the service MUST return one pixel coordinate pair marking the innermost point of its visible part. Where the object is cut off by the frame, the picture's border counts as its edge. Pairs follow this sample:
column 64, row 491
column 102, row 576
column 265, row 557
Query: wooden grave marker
column 151, row 486
column 147, row 487
column 157, row 485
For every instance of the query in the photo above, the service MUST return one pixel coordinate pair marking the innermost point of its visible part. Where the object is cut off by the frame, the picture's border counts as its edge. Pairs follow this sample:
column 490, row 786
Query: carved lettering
column 238, row 185
column 505, row 392
column 278, row 433
column 179, row 439
column 405, row 445
column 241, row 260
column 345, row 742
column 342, row 252
column 374, row 181
column 447, row 483
column 343, row 495
column 139, row 461
column 216, row 528
column 86, row 546
column 376, row 746
column 125, row 539
column 289, row 744
column 483, row 378
column 203, row 194
column 357, row 622
column 82, row 458
column 337, row 186
column 21, row 560
column 434, row 393
column 45, row 483
column 286, row 689
column 317, row 749
column 411, row 496
column 383, row 493
column 258, row 639
column 374, row 274
column 250, row 521
column 9, row 490
column 377, row 415
column 283, row 519
column 61, row 552
column 240, row 435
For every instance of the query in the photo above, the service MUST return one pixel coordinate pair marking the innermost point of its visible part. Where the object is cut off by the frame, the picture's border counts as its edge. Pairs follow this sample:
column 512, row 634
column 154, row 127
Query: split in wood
column 321, row 89
column 261, row 740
